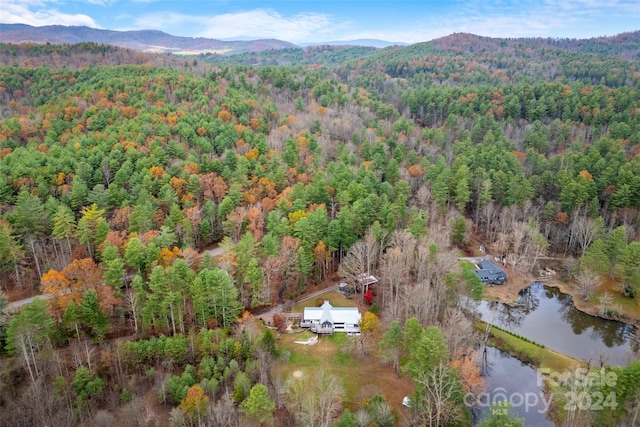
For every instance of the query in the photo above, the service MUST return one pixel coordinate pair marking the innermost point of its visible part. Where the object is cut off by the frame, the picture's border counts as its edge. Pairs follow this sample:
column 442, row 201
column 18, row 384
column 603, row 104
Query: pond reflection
column 506, row 378
column 547, row 316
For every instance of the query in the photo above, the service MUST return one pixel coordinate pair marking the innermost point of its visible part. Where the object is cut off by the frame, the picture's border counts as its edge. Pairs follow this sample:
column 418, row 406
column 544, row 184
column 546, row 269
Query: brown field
column 361, row 378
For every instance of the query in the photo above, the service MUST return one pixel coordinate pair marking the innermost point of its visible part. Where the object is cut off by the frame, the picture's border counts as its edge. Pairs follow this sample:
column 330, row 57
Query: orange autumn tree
column 167, row 256
column 416, row 171
column 71, row 283
column 156, row 171
column 56, row 284
column 213, row 186
column 255, row 222
column 469, row 372
column 194, row 404
column 178, row 185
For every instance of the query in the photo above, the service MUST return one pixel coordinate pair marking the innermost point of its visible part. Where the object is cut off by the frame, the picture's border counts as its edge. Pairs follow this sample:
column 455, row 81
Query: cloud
column 593, row 7
column 513, row 18
column 542, row 18
column 258, row 23
column 39, row 13
column 100, row 2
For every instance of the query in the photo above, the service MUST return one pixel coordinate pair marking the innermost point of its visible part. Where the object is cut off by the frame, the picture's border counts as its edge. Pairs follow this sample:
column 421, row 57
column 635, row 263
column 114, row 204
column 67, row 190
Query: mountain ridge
column 357, row 42
column 142, row 40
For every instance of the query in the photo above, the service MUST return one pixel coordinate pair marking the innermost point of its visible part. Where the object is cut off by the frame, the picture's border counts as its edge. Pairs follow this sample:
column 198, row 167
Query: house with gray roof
column 489, row 273
column 328, row 319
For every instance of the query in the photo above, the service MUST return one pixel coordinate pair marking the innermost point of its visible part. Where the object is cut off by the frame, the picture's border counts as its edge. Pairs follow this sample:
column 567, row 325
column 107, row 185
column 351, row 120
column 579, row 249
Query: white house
column 328, row 319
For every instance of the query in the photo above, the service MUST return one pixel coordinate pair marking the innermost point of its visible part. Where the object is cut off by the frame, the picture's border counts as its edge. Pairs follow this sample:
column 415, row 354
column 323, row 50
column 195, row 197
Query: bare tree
column 133, row 413
column 314, row 400
column 103, row 418
column 502, row 243
column 133, row 305
column 362, row 258
column 584, row 231
column 427, row 301
column 277, row 137
column 437, row 393
column 223, row 412
column 271, row 273
column 330, row 397
column 457, row 330
column 489, row 214
column 424, row 257
column 82, row 351
column 605, row 301
column 177, row 418
column 538, row 245
column 371, row 252
column 588, row 281
column 577, row 414
column 354, row 263
column 37, row 405
column 518, row 234
column 395, row 274
column 506, row 219
column 423, row 196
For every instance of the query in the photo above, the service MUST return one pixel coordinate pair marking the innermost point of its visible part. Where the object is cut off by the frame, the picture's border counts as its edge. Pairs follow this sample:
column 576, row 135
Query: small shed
column 365, row 281
column 489, row 273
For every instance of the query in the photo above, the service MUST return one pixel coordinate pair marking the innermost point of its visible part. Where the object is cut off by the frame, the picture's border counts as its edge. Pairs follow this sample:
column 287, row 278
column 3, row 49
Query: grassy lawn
column 335, row 298
column 361, row 378
column 627, row 309
column 620, row 303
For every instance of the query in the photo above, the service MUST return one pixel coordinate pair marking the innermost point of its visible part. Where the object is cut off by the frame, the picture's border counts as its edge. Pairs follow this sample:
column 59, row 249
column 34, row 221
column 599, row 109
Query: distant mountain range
column 278, row 52
column 157, row 41
column 145, row 40
column 359, row 42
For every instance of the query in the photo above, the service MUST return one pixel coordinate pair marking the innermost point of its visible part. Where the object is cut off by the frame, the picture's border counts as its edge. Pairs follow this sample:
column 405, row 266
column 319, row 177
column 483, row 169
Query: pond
column 547, row 316
column 509, row 379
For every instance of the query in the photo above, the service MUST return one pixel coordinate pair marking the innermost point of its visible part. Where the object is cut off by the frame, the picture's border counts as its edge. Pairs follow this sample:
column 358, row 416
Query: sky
column 304, row 21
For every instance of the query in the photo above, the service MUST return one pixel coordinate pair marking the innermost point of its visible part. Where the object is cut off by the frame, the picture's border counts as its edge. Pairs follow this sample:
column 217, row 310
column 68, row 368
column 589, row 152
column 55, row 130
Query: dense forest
column 120, row 170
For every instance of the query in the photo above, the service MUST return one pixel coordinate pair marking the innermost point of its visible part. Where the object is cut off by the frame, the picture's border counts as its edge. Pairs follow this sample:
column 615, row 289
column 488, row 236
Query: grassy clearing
column 529, row 352
column 623, row 305
column 335, row 298
column 361, row 378
column 625, row 309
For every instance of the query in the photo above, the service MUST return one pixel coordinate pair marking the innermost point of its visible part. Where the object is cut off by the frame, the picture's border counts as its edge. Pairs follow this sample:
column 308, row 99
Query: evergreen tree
column 91, row 315
column 391, row 344
column 29, row 332
column 258, row 405
column 430, row 350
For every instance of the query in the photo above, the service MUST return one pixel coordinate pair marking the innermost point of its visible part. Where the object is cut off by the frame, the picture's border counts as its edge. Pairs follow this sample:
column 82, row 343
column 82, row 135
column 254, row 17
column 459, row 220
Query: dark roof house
column 489, row 273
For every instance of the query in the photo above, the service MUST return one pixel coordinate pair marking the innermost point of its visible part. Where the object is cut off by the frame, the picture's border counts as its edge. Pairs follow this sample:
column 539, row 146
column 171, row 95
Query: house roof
column 364, row 279
column 486, row 267
column 326, row 312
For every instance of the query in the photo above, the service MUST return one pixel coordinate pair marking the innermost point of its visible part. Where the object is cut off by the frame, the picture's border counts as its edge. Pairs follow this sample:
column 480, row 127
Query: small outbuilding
column 489, row 273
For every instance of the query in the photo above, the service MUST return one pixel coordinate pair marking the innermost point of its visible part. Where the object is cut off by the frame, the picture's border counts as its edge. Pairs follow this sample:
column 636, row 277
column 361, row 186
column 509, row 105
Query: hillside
column 625, row 45
column 81, row 55
column 468, row 59
column 146, row 41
